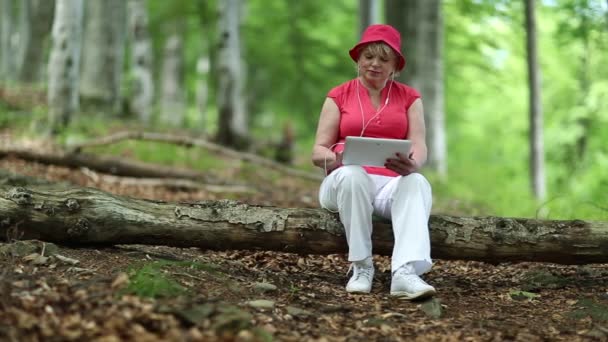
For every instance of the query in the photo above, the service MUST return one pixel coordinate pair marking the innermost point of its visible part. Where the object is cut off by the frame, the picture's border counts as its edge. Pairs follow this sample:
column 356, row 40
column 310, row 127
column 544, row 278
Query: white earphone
column 388, row 96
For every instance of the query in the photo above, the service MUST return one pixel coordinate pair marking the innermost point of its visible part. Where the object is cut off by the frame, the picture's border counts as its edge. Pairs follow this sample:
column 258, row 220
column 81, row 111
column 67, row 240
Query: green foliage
column 262, row 335
column 487, row 111
column 151, row 281
column 536, row 280
column 232, row 319
column 9, row 119
column 522, row 295
column 154, row 279
column 587, row 307
column 293, row 61
column 296, row 51
column 164, row 154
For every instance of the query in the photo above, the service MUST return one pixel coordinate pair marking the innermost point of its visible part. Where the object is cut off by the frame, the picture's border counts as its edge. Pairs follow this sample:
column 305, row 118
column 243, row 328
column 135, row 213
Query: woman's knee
column 352, row 170
column 414, row 180
column 353, row 173
column 354, row 176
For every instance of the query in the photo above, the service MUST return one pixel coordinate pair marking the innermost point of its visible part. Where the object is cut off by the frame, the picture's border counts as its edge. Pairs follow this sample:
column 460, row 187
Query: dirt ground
column 157, row 293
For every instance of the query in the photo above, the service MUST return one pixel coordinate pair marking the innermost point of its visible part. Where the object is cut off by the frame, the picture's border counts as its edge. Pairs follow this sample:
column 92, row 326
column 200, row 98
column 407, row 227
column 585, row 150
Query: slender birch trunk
column 64, row 62
column 421, row 25
column 233, row 130
column 142, row 80
column 103, row 55
column 537, row 164
column 173, row 99
column 39, row 21
column 6, row 29
column 202, row 90
column 368, row 14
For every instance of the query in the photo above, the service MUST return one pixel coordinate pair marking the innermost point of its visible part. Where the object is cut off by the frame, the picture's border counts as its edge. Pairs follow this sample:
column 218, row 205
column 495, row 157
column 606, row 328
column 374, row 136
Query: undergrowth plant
column 156, row 279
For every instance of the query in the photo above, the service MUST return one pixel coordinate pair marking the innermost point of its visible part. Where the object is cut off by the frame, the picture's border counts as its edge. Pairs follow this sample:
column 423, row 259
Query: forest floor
column 158, row 293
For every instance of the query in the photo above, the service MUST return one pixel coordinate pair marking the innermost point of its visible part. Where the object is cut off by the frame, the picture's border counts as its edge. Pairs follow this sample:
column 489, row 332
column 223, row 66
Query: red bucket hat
column 380, row 33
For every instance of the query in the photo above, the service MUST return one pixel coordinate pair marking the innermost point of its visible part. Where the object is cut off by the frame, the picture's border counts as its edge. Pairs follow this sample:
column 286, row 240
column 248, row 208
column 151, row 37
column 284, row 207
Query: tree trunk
column 39, row 21
column 202, row 91
column 232, row 120
column 368, row 14
column 64, row 62
column 404, row 15
column 421, row 25
column 22, row 36
column 432, row 85
column 208, row 17
column 86, row 216
column 6, row 28
column 583, row 121
column 142, row 81
column 103, row 55
column 537, row 164
column 189, row 142
column 173, row 99
column 109, row 165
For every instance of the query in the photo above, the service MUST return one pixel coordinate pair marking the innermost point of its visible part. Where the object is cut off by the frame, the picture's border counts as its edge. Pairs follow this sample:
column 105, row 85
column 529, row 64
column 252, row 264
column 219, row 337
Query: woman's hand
column 401, row 164
column 336, row 163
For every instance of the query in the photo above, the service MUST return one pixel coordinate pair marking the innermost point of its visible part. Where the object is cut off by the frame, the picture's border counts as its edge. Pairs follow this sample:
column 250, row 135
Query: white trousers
column 405, row 200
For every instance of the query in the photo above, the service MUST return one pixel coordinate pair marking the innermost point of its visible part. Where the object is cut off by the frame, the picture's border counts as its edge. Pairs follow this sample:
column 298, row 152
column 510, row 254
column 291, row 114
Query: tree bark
column 170, row 183
column 537, row 151
column 109, row 165
column 39, row 21
column 368, row 14
column 103, row 55
column 420, row 23
column 173, row 93
column 142, row 80
column 64, row 62
column 187, row 141
column 233, row 120
column 6, row 30
column 202, row 91
column 86, row 216
column 21, row 37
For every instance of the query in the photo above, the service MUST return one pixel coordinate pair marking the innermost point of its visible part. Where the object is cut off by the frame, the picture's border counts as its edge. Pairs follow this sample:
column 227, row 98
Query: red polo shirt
column 391, row 122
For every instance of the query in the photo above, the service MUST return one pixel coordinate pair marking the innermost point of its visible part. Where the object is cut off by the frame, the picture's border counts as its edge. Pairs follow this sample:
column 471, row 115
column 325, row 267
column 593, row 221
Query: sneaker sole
column 412, row 296
column 358, row 291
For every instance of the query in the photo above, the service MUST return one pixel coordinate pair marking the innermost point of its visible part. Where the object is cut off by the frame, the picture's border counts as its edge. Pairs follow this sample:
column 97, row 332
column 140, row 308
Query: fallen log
column 202, row 143
column 86, row 216
column 170, row 183
column 105, row 164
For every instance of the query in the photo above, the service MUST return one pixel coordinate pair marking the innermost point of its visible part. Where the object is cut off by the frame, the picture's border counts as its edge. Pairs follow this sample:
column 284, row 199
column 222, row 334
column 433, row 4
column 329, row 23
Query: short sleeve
column 411, row 96
column 337, row 94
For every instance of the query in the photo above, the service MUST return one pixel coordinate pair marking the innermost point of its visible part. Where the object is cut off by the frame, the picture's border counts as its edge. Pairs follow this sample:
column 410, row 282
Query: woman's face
column 376, row 63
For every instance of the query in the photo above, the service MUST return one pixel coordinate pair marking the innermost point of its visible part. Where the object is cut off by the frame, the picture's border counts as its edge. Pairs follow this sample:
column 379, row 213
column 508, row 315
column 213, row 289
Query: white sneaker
column 363, row 274
column 409, row 286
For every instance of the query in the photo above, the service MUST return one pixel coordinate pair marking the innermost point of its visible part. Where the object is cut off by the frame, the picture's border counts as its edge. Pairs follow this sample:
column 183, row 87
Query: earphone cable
column 388, row 96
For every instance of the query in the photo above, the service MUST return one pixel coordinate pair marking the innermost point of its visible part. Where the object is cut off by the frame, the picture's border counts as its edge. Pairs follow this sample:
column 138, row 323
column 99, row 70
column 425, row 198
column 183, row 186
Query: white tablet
column 373, row 151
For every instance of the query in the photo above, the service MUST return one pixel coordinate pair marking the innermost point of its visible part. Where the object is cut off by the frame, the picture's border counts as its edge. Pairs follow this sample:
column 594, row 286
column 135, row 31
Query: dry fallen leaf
column 31, row 257
column 121, row 280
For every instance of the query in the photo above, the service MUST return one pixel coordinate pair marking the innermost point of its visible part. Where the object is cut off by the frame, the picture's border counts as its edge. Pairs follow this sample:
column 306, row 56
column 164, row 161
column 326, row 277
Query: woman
column 374, row 105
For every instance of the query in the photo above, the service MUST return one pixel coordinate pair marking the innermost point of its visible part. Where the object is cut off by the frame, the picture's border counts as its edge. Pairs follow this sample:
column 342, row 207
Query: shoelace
column 360, row 271
column 412, row 279
column 401, row 272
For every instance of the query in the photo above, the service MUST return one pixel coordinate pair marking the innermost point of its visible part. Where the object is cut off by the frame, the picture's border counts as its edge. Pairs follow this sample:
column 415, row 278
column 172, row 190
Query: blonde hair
column 380, row 49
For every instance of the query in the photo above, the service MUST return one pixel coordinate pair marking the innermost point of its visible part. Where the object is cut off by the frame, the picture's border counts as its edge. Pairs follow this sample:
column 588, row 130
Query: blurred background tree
column 265, row 66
